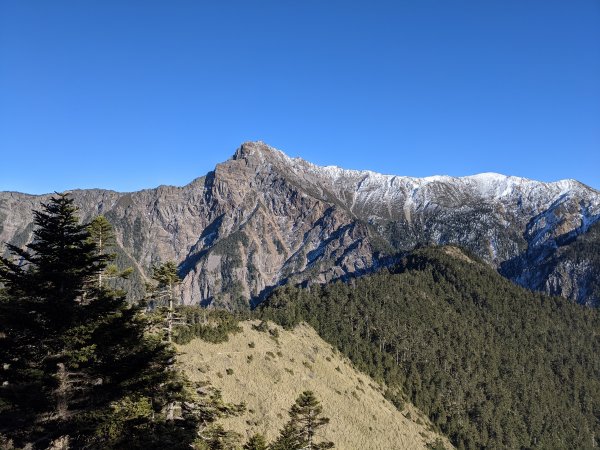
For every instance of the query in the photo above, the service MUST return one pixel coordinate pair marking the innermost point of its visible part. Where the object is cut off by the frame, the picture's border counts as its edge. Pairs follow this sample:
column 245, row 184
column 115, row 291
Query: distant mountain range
column 262, row 219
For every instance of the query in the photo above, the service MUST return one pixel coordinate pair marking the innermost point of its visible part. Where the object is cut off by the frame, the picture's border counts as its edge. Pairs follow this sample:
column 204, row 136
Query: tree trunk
column 61, row 392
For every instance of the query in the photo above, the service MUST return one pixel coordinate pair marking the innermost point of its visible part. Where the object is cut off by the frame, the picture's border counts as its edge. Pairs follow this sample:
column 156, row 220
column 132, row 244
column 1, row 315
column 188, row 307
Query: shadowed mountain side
column 570, row 268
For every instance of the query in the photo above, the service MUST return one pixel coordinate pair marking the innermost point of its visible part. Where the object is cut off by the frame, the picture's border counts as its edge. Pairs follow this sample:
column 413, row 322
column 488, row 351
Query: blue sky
column 128, row 95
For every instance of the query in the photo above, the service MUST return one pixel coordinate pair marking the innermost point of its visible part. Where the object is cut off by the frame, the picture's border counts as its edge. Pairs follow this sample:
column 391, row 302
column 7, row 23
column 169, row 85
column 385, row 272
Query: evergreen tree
column 256, row 442
column 208, row 408
column 44, row 286
column 166, row 277
column 305, row 419
column 79, row 368
column 216, row 437
column 103, row 236
column 288, row 439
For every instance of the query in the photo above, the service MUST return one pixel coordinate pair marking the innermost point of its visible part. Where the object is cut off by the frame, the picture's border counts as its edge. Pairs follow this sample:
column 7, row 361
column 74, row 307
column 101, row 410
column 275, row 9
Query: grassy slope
column 279, row 371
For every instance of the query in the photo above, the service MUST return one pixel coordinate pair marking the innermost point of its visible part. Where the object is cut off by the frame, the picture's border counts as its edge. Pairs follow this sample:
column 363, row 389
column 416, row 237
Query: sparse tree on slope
column 305, row 419
column 288, row 439
column 256, row 442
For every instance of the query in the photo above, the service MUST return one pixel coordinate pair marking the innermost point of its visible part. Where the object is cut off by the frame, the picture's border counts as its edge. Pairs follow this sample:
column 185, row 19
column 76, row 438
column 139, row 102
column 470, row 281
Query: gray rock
column 262, row 219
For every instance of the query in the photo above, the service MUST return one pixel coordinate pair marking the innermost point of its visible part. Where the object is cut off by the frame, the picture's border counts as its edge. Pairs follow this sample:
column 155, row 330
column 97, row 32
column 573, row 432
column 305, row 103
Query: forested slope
column 492, row 364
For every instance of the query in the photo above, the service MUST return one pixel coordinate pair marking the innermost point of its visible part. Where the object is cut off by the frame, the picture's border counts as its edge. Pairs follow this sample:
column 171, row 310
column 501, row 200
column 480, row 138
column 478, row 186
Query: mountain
column 262, row 219
column 268, row 373
column 492, row 364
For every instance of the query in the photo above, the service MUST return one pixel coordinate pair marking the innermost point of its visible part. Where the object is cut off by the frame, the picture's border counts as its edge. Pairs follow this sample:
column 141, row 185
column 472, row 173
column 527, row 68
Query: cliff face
column 262, row 218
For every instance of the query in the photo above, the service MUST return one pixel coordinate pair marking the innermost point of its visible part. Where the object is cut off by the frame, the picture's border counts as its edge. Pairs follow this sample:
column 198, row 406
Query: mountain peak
column 263, row 218
column 489, row 176
column 257, row 149
column 258, row 154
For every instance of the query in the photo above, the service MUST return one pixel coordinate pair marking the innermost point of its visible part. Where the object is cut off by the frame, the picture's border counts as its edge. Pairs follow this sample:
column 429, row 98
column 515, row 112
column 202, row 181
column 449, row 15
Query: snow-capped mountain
column 262, row 218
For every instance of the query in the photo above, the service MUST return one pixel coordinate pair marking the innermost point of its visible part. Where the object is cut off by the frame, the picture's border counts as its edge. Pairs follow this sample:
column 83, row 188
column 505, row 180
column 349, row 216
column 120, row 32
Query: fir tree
column 103, row 236
column 288, row 439
column 305, row 419
column 44, row 289
column 217, row 438
column 256, row 442
column 78, row 365
column 162, row 293
column 208, row 408
column 165, row 275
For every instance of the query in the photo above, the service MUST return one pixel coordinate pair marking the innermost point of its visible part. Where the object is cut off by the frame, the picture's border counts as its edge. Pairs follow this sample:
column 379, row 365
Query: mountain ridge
column 262, row 218
column 242, row 152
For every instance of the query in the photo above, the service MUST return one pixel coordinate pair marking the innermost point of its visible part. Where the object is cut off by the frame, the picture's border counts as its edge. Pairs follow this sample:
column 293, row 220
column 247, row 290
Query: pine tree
column 44, row 286
column 256, row 442
column 288, row 439
column 305, row 419
column 208, row 408
column 166, row 277
column 78, row 365
column 216, row 437
column 103, row 236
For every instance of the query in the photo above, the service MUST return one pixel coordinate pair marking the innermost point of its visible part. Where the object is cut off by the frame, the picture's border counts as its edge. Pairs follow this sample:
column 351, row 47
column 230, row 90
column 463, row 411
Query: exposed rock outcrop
column 261, row 219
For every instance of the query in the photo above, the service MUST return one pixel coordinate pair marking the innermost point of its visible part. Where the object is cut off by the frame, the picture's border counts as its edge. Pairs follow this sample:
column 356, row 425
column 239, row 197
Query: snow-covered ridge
column 488, row 185
column 378, row 197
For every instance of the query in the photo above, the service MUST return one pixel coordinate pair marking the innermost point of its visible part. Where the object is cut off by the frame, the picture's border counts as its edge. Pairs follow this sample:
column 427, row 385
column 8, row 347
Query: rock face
column 261, row 219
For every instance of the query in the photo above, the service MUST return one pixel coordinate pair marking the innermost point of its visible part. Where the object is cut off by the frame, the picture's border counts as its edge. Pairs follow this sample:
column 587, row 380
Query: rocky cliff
column 261, row 219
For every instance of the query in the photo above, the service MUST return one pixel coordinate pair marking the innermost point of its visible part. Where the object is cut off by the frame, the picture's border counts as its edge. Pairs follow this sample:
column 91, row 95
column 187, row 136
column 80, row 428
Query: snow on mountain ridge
column 487, row 183
column 377, row 197
column 262, row 219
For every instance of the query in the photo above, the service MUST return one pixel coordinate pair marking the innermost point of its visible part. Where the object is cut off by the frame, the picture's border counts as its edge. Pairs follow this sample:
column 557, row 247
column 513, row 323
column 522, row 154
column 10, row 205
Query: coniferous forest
column 492, row 364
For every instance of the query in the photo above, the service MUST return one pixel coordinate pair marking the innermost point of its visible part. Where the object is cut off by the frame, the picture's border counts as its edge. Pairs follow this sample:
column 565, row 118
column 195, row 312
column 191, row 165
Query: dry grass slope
column 268, row 374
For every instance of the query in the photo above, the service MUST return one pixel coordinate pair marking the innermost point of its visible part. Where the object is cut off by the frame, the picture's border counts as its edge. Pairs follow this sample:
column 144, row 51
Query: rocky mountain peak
column 258, row 151
column 263, row 218
column 256, row 159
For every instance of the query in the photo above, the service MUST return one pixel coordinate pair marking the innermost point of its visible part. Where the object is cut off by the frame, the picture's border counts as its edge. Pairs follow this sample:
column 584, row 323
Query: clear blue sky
column 132, row 94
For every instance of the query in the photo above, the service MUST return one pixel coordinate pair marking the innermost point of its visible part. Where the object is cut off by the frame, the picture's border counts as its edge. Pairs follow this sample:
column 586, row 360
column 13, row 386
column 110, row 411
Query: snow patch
column 401, row 193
